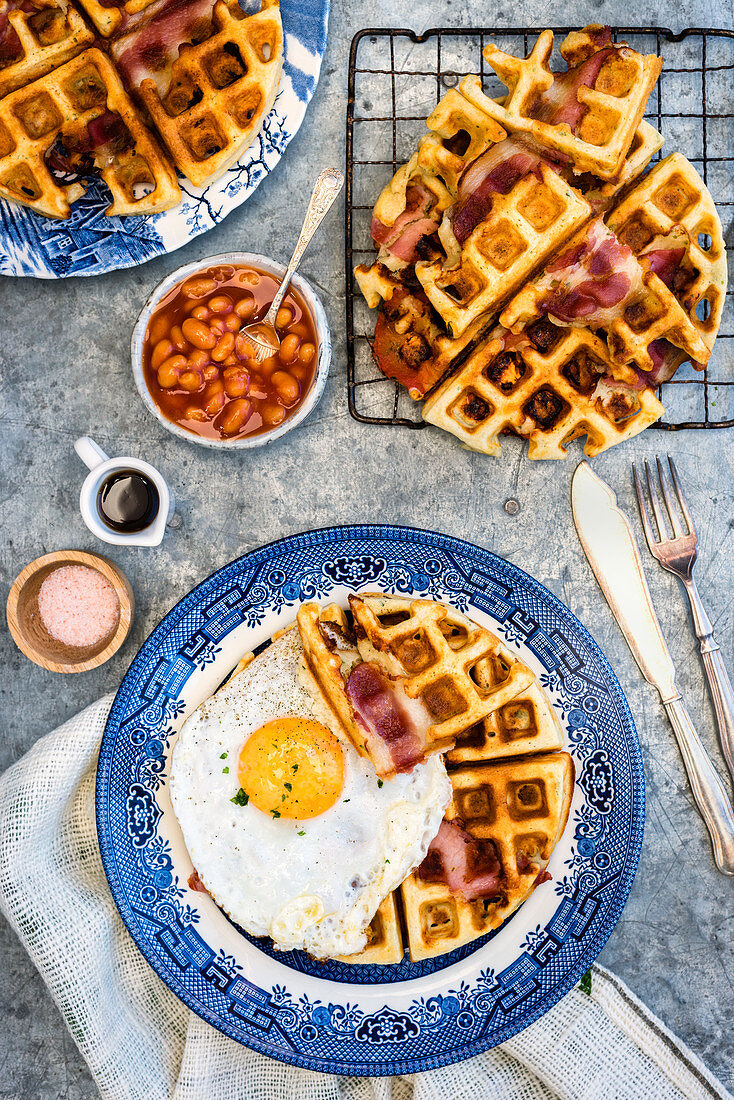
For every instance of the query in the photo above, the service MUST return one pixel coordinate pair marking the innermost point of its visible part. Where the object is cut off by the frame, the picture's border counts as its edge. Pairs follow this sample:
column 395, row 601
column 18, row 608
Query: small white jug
column 101, row 466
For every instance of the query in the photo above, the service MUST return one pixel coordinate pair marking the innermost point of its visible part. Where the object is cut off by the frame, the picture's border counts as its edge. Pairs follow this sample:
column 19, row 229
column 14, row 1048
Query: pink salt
column 78, row 606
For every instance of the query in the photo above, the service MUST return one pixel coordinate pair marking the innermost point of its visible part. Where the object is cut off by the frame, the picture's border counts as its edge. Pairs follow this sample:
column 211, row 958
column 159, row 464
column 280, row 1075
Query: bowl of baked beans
column 195, row 367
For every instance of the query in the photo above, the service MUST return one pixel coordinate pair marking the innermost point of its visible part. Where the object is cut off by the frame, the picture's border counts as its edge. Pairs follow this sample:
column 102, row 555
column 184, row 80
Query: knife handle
column 708, row 790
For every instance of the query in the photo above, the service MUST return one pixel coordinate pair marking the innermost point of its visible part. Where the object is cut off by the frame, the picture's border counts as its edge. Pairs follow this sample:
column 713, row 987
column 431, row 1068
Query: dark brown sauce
column 127, row 501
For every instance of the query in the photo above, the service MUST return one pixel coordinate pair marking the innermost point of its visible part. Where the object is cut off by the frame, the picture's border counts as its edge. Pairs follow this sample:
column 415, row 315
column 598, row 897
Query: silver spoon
column 262, row 334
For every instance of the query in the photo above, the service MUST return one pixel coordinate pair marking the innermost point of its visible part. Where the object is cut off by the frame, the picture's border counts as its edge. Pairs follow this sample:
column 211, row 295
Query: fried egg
column 290, row 830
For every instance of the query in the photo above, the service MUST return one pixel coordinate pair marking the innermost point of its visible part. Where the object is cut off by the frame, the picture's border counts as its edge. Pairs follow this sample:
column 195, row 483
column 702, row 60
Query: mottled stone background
column 66, row 372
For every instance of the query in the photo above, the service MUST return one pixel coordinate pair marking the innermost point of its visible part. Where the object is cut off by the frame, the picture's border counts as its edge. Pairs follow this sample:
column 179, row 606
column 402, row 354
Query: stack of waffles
column 531, row 278
column 476, row 703
column 142, row 89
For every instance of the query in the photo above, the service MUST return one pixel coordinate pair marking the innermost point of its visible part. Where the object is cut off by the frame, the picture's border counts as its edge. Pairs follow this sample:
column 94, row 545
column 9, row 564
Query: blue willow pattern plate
column 375, row 1019
column 88, row 243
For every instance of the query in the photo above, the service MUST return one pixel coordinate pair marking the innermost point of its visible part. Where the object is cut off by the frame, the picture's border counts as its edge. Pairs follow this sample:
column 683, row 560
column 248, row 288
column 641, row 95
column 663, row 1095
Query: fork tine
column 674, row 521
column 681, row 497
column 644, row 515
column 655, row 501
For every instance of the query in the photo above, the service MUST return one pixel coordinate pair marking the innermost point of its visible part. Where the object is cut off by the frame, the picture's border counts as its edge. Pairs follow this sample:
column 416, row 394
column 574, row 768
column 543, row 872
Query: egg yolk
column 292, row 767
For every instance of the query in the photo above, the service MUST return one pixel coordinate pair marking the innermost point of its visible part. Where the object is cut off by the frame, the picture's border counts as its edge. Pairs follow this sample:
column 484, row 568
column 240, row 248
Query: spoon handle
column 327, row 187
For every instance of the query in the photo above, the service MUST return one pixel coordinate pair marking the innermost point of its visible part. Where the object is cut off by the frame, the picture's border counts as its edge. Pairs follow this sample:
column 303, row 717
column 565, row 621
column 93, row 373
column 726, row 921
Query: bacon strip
column 403, row 237
column 395, row 732
column 591, row 280
column 151, row 41
column 469, row 866
column 665, row 253
column 494, row 173
column 560, row 104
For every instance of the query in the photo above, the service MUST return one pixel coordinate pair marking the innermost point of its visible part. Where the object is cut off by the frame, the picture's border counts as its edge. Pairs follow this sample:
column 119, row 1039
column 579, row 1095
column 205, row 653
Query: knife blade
column 611, row 548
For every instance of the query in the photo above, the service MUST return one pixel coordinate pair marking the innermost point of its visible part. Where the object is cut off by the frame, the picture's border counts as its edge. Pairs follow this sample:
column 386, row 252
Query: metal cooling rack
column 396, row 77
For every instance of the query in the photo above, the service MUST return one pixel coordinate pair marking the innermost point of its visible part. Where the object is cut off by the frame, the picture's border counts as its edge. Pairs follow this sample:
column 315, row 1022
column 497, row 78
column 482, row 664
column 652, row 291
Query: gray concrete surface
column 66, row 372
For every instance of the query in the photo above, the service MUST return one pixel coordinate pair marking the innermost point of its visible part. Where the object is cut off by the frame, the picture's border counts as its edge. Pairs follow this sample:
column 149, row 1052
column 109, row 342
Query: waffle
column 523, row 228
column 522, row 806
column 384, row 937
column 46, row 35
column 648, row 312
column 210, row 102
column 527, row 724
column 600, row 120
column 60, row 106
column 547, row 384
column 673, row 194
column 435, row 650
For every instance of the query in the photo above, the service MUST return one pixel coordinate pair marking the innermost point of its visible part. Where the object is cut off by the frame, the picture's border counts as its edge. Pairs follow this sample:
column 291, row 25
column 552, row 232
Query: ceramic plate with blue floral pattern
column 88, row 243
column 367, row 1020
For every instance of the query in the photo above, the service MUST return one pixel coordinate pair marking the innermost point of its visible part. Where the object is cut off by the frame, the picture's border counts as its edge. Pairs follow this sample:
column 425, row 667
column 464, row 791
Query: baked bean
column 217, row 327
column 283, row 317
column 236, row 382
column 197, row 333
column 287, row 386
column 232, row 322
column 300, row 329
column 288, row 348
column 210, row 373
column 299, row 371
column 201, row 313
column 272, row 413
column 246, row 306
column 221, row 303
column 177, row 337
column 168, row 372
column 306, row 353
column 190, row 380
column 224, row 347
column 243, row 347
column 198, row 359
column 230, row 361
column 214, row 398
column 198, row 287
column 250, row 278
column 163, row 350
column 194, row 413
column 235, row 414
column 158, row 329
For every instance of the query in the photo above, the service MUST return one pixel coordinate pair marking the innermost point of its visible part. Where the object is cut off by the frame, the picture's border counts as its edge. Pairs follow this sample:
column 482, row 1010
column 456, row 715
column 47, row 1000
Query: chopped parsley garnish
column 294, row 767
column 223, row 756
column 275, row 813
column 346, row 800
column 301, row 832
column 585, row 983
column 380, row 784
column 288, row 786
column 387, row 861
column 240, row 799
column 225, row 771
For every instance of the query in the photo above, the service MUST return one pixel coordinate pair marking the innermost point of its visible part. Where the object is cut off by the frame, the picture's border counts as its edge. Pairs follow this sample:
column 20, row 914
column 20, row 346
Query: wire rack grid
column 396, row 77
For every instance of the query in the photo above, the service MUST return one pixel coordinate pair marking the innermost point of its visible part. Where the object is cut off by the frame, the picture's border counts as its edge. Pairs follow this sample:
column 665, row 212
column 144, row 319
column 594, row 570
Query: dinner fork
column 678, row 555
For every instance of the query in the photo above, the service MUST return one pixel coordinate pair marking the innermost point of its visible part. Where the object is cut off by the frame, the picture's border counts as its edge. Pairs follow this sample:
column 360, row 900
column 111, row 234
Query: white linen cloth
column 142, row 1043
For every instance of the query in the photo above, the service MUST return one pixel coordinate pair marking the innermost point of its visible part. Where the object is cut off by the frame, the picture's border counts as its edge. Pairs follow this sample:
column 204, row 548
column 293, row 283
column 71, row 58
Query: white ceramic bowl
column 318, row 313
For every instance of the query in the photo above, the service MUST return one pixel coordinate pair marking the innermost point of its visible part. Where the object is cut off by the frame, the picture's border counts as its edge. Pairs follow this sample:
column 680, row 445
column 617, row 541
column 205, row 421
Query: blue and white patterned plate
column 331, row 1016
column 88, row 243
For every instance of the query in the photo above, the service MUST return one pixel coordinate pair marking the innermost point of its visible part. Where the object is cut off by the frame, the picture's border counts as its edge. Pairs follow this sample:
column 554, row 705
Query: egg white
column 312, row 884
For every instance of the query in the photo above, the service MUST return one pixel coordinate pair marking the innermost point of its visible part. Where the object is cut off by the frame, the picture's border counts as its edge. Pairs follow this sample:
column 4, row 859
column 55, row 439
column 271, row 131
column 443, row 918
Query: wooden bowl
column 31, row 636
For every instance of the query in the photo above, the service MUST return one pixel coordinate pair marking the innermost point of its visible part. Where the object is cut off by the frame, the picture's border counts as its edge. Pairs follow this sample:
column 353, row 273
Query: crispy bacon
column 402, row 238
column 560, row 104
column 591, row 280
column 152, row 39
column 665, row 253
column 542, row 876
column 77, row 151
column 494, row 173
column 195, row 882
column 468, row 865
column 395, row 725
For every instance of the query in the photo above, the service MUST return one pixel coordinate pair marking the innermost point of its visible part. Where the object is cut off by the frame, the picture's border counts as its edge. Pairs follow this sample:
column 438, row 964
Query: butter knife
column 610, row 546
